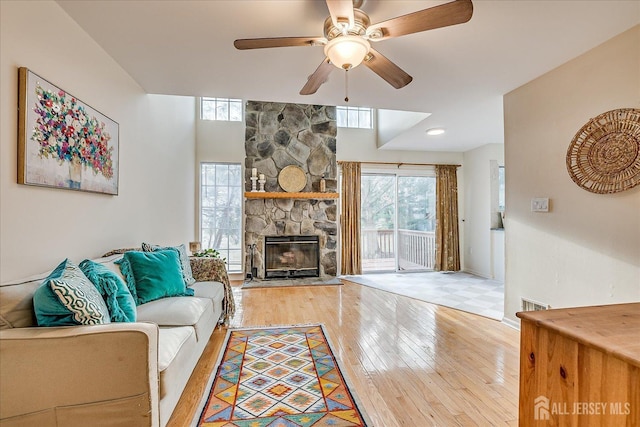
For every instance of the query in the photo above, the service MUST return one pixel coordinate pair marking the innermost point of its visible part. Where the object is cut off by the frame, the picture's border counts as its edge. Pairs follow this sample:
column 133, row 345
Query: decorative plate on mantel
column 292, row 179
column 604, row 156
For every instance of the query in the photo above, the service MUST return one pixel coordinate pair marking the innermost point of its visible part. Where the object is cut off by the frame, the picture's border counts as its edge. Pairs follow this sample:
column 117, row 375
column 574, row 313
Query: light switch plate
column 540, row 204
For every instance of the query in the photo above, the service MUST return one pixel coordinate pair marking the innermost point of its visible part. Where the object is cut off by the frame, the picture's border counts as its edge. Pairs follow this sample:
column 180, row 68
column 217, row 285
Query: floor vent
column 529, row 305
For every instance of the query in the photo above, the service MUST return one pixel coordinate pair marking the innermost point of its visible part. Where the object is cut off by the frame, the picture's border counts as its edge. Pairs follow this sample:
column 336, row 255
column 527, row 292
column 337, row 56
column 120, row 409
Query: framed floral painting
column 63, row 142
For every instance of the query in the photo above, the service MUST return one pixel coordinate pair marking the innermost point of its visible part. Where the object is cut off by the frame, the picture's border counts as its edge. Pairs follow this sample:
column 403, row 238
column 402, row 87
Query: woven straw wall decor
column 292, row 179
column 604, row 156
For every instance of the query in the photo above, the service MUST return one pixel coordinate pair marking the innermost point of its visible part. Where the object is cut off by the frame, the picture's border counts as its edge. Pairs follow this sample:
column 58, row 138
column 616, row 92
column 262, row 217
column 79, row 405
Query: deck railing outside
column 416, row 249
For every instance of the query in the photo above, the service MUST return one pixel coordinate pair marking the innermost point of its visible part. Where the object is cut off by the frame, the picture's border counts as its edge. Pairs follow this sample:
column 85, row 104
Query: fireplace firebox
column 291, row 256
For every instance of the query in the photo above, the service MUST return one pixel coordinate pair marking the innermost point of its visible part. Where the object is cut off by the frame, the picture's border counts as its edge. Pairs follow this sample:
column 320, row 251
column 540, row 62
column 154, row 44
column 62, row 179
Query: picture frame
column 62, row 141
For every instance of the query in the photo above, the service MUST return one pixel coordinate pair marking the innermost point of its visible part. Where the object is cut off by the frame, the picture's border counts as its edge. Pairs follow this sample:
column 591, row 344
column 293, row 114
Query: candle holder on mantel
column 254, row 188
column 261, row 182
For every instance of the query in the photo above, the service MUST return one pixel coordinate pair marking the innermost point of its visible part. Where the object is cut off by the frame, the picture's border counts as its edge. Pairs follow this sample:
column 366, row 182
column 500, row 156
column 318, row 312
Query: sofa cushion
column 153, row 275
column 67, row 297
column 172, row 341
column 185, row 264
column 120, row 302
column 176, row 311
column 16, row 302
column 212, row 290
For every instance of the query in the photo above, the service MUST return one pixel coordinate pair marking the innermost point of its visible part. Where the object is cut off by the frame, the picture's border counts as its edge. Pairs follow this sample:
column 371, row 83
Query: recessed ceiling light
column 435, row 131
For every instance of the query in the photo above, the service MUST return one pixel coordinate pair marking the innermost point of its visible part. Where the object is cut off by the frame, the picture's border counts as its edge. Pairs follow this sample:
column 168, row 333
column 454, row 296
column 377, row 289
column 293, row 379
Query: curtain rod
column 399, row 163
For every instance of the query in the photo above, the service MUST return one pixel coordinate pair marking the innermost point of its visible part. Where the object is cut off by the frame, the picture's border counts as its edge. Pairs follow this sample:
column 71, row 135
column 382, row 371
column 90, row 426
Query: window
column 501, row 189
column 355, row 117
column 221, row 109
column 221, row 211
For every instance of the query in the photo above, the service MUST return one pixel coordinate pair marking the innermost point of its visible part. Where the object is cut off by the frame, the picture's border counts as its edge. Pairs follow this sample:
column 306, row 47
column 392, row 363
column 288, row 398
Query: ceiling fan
column 348, row 34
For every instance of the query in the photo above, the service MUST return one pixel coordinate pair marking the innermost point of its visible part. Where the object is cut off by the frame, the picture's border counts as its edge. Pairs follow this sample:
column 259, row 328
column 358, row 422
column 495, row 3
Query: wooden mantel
column 284, row 195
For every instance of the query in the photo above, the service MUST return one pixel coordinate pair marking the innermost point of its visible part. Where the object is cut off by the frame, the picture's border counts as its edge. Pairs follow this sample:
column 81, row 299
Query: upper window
column 224, row 109
column 355, row 117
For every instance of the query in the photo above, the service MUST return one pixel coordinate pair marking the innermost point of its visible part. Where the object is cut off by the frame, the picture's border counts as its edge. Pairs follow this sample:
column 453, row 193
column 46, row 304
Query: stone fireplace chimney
column 278, row 135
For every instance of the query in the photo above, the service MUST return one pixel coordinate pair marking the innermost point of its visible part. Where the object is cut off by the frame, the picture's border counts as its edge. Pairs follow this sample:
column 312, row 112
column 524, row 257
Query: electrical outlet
column 540, row 204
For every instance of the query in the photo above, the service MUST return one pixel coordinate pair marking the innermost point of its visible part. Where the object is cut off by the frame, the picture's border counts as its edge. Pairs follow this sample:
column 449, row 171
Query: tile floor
column 462, row 291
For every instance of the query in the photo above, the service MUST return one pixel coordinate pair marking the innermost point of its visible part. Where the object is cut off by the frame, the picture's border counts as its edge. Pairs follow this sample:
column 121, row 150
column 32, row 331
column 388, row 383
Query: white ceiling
column 460, row 73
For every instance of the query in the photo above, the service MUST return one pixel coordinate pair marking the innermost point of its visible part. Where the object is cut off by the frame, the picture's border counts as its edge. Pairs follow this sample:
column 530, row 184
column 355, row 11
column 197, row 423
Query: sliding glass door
column 378, row 222
column 416, row 222
column 397, row 222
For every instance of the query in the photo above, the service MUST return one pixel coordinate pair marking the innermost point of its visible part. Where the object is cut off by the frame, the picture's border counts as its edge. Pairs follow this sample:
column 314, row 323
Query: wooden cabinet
column 580, row 366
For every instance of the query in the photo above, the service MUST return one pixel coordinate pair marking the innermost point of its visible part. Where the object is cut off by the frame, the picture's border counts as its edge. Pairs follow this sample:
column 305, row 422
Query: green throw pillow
column 154, row 275
column 185, row 264
column 120, row 302
column 66, row 297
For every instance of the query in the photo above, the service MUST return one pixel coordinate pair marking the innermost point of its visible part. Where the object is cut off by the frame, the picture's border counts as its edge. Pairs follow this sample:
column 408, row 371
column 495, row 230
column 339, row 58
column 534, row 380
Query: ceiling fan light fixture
column 347, row 52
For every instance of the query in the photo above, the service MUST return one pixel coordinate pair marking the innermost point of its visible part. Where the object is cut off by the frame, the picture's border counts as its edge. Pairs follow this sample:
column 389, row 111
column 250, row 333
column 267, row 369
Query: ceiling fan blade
column 455, row 12
column 262, row 43
column 386, row 69
column 341, row 12
column 317, row 78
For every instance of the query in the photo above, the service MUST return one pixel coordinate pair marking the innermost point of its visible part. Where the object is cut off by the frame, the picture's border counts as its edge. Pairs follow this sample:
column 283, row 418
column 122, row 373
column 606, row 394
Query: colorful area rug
column 278, row 377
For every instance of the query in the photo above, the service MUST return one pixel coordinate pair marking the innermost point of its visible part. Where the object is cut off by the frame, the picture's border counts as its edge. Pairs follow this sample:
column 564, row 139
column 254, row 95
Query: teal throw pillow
column 154, row 275
column 120, row 302
column 185, row 264
column 66, row 297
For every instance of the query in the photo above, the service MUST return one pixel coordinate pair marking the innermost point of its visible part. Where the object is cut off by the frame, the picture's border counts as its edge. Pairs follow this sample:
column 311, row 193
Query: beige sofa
column 118, row 374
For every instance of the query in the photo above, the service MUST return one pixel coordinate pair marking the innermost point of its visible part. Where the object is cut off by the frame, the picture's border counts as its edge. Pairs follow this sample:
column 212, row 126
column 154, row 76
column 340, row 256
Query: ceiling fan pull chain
column 346, row 85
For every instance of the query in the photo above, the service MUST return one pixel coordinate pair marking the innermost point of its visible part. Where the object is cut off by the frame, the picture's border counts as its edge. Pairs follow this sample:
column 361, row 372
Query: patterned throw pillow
column 120, row 302
column 185, row 264
column 66, row 297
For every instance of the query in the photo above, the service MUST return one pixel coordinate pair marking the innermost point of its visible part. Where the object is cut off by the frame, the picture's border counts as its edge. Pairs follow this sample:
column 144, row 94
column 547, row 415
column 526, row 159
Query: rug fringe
column 299, row 325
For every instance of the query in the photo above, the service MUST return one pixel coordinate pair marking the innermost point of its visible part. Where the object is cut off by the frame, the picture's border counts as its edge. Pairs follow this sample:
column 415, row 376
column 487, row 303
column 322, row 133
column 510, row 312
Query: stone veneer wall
column 279, row 135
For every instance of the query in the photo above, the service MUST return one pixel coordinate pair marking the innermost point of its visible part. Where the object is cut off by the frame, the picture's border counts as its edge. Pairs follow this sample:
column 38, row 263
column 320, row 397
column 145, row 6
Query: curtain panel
column 351, row 262
column 447, row 235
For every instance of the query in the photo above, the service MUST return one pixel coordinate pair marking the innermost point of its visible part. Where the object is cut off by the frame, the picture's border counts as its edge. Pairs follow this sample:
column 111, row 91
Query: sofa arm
column 81, row 375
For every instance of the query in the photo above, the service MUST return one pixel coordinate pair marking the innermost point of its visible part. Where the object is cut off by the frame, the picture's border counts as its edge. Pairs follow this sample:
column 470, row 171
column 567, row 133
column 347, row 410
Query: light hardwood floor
column 410, row 363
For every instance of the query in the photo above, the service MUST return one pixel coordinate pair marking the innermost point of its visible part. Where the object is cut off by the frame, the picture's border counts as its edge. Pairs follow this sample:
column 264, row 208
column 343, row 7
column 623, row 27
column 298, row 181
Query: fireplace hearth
column 292, row 256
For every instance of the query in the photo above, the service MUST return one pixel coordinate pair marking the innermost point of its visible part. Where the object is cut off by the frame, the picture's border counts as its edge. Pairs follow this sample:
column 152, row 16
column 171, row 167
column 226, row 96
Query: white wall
column 586, row 250
column 360, row 145
column 478, row 208
column 41, row 226
column 219, row 141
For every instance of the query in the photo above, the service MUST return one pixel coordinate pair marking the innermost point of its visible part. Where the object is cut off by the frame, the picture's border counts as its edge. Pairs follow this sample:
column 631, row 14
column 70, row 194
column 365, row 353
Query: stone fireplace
column 278, row 135
column 291, row 256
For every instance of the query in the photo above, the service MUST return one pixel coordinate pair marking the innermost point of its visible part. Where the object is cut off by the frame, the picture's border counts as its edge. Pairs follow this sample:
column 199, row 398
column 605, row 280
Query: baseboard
column 511, row 323
column 477, row 273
